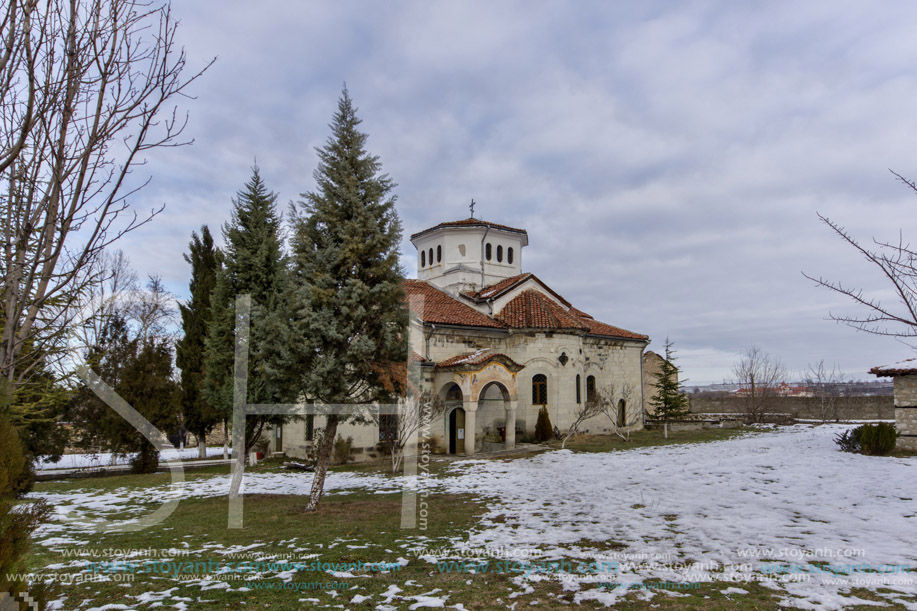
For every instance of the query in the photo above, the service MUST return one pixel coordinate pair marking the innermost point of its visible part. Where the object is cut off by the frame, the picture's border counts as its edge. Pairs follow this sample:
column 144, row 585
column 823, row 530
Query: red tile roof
column 534, row 310
column 530, row 309
column 504, row 286
column 470, row 222
column 476, row 358
column 434, row 306
column 903, row 368
column 495, row 289
column 600, row 328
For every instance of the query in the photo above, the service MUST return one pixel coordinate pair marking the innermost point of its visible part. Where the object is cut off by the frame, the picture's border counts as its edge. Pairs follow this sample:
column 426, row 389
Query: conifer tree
column 254, row 264
column 669, row 401
column 347, row 303
column 139, row 369
column 199, row 414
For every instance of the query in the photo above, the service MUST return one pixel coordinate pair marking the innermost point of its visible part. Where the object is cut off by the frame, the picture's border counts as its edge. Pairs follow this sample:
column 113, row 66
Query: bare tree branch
column 86, row 88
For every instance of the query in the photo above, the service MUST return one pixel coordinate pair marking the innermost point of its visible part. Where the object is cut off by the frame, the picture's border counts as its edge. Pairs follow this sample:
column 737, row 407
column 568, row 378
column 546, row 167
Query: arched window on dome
column 439, row 254
column 509, row 255
column 499, row 254
column 423, row 258
column 487, row 252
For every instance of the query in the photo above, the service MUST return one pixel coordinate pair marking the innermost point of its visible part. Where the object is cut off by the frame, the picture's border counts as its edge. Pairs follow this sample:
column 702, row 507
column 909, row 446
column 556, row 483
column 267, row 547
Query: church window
column 578, row 397
column 431, row 256
column 423, row 258
column 487, row 252
column 499, row 254
column 310, row 427
column 539, row 389
column 590, row 388
column 509, row 255
column 439, row 254
column 622, row 414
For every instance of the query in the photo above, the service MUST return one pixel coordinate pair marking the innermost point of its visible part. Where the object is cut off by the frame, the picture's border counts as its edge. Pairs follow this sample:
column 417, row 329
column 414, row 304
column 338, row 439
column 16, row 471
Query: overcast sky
column 667, row 159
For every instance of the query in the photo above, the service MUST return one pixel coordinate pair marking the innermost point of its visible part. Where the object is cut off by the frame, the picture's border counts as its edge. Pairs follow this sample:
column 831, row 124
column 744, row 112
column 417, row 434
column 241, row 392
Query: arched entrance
column 457, row 431
column 455, row 418
column 493, row 403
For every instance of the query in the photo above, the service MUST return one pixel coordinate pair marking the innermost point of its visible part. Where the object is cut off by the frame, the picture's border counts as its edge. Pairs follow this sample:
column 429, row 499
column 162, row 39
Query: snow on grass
column 106, row 459
column 80, row 510
column 731, row 511
column 730, row 507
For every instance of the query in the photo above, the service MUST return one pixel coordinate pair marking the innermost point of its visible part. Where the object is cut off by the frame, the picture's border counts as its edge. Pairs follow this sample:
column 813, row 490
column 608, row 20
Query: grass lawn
column 647, row 439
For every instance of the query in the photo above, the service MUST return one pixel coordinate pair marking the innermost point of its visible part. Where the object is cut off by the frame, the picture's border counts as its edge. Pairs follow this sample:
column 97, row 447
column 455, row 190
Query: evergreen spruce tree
column 200, row 416
column 347, row 302
column 669, row 401
column 254, row 264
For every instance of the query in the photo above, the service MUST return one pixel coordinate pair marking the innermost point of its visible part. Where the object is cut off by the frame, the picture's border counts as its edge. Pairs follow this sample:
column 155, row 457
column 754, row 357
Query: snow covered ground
column 783, row 508
column 105, row 459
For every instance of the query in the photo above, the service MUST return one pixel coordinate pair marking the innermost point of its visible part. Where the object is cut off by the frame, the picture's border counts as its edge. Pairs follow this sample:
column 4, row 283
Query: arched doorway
column 622, row 414
column 457, row 431
column 455, row 418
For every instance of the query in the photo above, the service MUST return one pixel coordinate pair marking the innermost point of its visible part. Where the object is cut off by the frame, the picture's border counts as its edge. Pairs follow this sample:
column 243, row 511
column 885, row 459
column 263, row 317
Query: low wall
column 848, row 408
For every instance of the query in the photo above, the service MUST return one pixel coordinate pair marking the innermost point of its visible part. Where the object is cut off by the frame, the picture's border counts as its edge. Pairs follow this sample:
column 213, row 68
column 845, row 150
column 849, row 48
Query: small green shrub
column 543, row 429
column 342, row 447
column 878, row 439
column 871, row 439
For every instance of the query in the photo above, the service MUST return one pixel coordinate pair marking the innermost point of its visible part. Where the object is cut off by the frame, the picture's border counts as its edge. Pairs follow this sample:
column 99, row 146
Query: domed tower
column 468, row 255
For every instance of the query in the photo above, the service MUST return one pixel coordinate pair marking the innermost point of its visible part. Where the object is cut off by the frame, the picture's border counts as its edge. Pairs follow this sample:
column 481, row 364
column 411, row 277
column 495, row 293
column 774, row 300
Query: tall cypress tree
column 669, row 401
column 254, row 264
column 199, row 414
column 347, row 305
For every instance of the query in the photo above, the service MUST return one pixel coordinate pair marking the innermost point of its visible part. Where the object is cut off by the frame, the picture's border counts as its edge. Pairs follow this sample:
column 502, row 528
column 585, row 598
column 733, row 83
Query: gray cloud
column 668, row 159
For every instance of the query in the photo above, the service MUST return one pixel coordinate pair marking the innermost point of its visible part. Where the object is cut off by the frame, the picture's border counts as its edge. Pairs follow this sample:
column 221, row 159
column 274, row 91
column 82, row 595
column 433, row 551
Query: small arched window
column 423, row 258
column 499, row 254
column 590, row 388
column 487, row 252
column 439, row 254
column 578, row 394
column 539, row 389
column 431, row 256
column 509, row 255
column 622, row 414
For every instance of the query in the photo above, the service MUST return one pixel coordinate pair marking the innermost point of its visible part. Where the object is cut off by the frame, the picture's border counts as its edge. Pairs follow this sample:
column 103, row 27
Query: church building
column 496, row 344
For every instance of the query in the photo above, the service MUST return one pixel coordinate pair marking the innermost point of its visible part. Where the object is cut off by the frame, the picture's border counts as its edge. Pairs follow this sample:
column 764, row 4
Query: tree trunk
column 202, row 446
column 324, row 459
column 225, row 441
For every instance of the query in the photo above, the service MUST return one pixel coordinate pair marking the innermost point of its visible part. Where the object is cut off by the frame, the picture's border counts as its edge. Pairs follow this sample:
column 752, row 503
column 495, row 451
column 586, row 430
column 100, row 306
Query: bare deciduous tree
column 87, row 87
column 396, row 431
column 827, row 389
column 897, row 261
column 760, row 374
column 594, row 406
column 611, row 402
